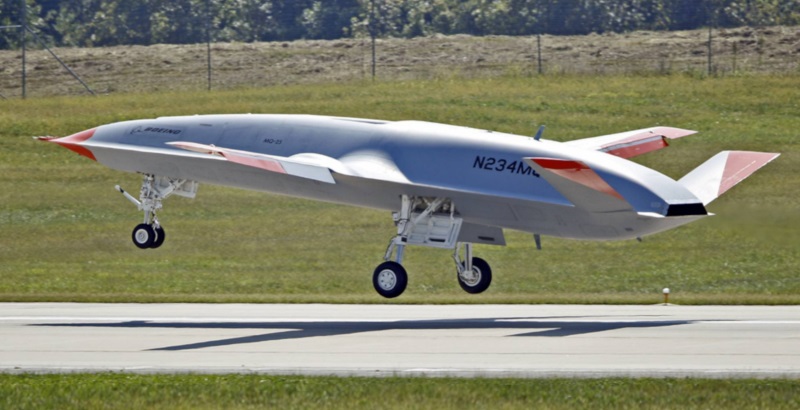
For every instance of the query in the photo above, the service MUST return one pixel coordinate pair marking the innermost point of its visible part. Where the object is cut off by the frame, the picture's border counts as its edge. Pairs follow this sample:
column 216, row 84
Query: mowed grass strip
column 122, row 391
column 65, row 233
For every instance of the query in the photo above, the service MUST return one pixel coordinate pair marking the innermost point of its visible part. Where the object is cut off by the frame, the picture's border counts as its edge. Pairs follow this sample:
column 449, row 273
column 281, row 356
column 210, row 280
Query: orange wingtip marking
column 740, row 165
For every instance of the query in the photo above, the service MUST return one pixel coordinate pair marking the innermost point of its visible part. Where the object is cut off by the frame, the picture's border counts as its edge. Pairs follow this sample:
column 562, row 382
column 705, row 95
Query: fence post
column 372, row 34
column 208, row 41
column 539, row 53
column 23, row 34
column 710, row 69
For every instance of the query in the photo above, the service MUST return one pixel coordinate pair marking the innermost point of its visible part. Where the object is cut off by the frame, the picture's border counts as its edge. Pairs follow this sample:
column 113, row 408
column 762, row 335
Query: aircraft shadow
column 530, row 327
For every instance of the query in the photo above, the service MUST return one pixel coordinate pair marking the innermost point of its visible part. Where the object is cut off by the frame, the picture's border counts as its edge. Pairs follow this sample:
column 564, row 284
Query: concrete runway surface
column 386, row 340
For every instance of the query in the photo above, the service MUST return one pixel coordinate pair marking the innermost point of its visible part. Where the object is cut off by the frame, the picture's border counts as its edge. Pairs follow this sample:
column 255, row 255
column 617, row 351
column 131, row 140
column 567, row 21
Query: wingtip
column 742, row 164
column 672, row 132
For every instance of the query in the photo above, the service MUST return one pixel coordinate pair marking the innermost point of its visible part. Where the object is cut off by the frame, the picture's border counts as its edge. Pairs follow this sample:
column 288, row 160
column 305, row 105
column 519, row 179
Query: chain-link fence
column 185, row 67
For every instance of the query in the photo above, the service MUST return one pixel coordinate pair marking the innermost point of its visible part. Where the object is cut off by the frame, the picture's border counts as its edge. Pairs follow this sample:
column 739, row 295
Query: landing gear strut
column 150, row 234
column 428, row 222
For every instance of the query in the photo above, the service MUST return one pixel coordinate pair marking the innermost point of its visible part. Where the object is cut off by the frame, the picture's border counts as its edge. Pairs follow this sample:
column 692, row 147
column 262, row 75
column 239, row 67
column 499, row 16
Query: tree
column 329, row 19
column 764, row 12
column 510, row 17
column 178, row 21
column 112, row 22
column 11, row 15
column 378, row 18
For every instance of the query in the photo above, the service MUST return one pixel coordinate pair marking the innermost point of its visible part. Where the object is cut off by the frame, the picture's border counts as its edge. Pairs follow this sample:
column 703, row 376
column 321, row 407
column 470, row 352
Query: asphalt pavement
column 405, row 340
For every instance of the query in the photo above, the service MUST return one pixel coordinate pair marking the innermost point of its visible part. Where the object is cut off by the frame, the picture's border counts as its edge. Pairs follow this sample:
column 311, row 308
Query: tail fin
column 722, row 171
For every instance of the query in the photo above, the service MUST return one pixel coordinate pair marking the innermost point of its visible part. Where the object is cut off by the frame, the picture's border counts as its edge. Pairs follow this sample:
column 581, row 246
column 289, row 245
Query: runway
column 413, row 340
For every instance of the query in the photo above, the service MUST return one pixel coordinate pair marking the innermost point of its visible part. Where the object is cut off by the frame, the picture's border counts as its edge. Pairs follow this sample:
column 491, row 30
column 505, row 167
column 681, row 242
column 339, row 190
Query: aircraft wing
column 632, row 143
column 364, row 164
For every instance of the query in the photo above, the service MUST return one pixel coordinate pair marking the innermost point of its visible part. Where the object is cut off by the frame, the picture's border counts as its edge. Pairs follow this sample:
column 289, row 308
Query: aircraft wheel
column 479, row 279
column 390, row 279
column 160, row 236
column 144, row 236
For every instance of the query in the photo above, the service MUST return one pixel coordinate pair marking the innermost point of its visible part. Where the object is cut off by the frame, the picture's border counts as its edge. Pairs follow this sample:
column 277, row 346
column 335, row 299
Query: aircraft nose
column 74, row 142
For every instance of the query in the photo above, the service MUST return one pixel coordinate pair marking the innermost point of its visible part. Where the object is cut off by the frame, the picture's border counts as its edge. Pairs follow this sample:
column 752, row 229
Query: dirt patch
column 184, row 67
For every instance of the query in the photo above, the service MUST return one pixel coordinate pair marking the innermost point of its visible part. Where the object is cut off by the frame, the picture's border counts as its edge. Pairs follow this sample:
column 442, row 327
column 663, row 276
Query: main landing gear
column 429, row 222
column 150, row 234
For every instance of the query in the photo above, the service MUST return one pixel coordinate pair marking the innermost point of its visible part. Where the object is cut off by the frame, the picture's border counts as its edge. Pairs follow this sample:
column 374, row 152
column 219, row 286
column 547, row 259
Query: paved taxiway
column 467, row 340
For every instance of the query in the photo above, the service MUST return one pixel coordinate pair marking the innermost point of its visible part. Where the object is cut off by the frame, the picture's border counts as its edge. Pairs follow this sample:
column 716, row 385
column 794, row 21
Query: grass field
column 65, row 233
column 116, row 391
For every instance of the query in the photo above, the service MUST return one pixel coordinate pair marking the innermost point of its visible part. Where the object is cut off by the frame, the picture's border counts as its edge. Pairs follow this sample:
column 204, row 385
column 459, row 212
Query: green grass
column 121, row 391
column 65, row 233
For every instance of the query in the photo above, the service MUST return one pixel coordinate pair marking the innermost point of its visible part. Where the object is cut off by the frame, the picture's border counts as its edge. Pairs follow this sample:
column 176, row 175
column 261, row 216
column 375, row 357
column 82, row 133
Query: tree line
column 87, row 23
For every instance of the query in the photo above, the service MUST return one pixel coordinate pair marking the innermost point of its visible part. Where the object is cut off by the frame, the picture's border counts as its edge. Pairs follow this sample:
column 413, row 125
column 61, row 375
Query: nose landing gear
column 150, row 234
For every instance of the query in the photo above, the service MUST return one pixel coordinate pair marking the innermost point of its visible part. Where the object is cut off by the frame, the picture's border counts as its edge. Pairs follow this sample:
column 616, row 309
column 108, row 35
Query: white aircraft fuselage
column 484, row 181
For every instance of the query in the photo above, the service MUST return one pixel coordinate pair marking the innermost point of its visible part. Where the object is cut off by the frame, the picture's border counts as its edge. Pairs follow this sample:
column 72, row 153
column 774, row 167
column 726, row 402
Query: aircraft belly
column 621, row 225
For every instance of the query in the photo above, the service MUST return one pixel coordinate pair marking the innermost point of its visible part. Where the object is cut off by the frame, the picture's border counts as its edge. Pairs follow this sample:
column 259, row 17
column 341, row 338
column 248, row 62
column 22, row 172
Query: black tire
column 143, row 236
column 482, row 278
column 390, row 279
column 160, row 236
